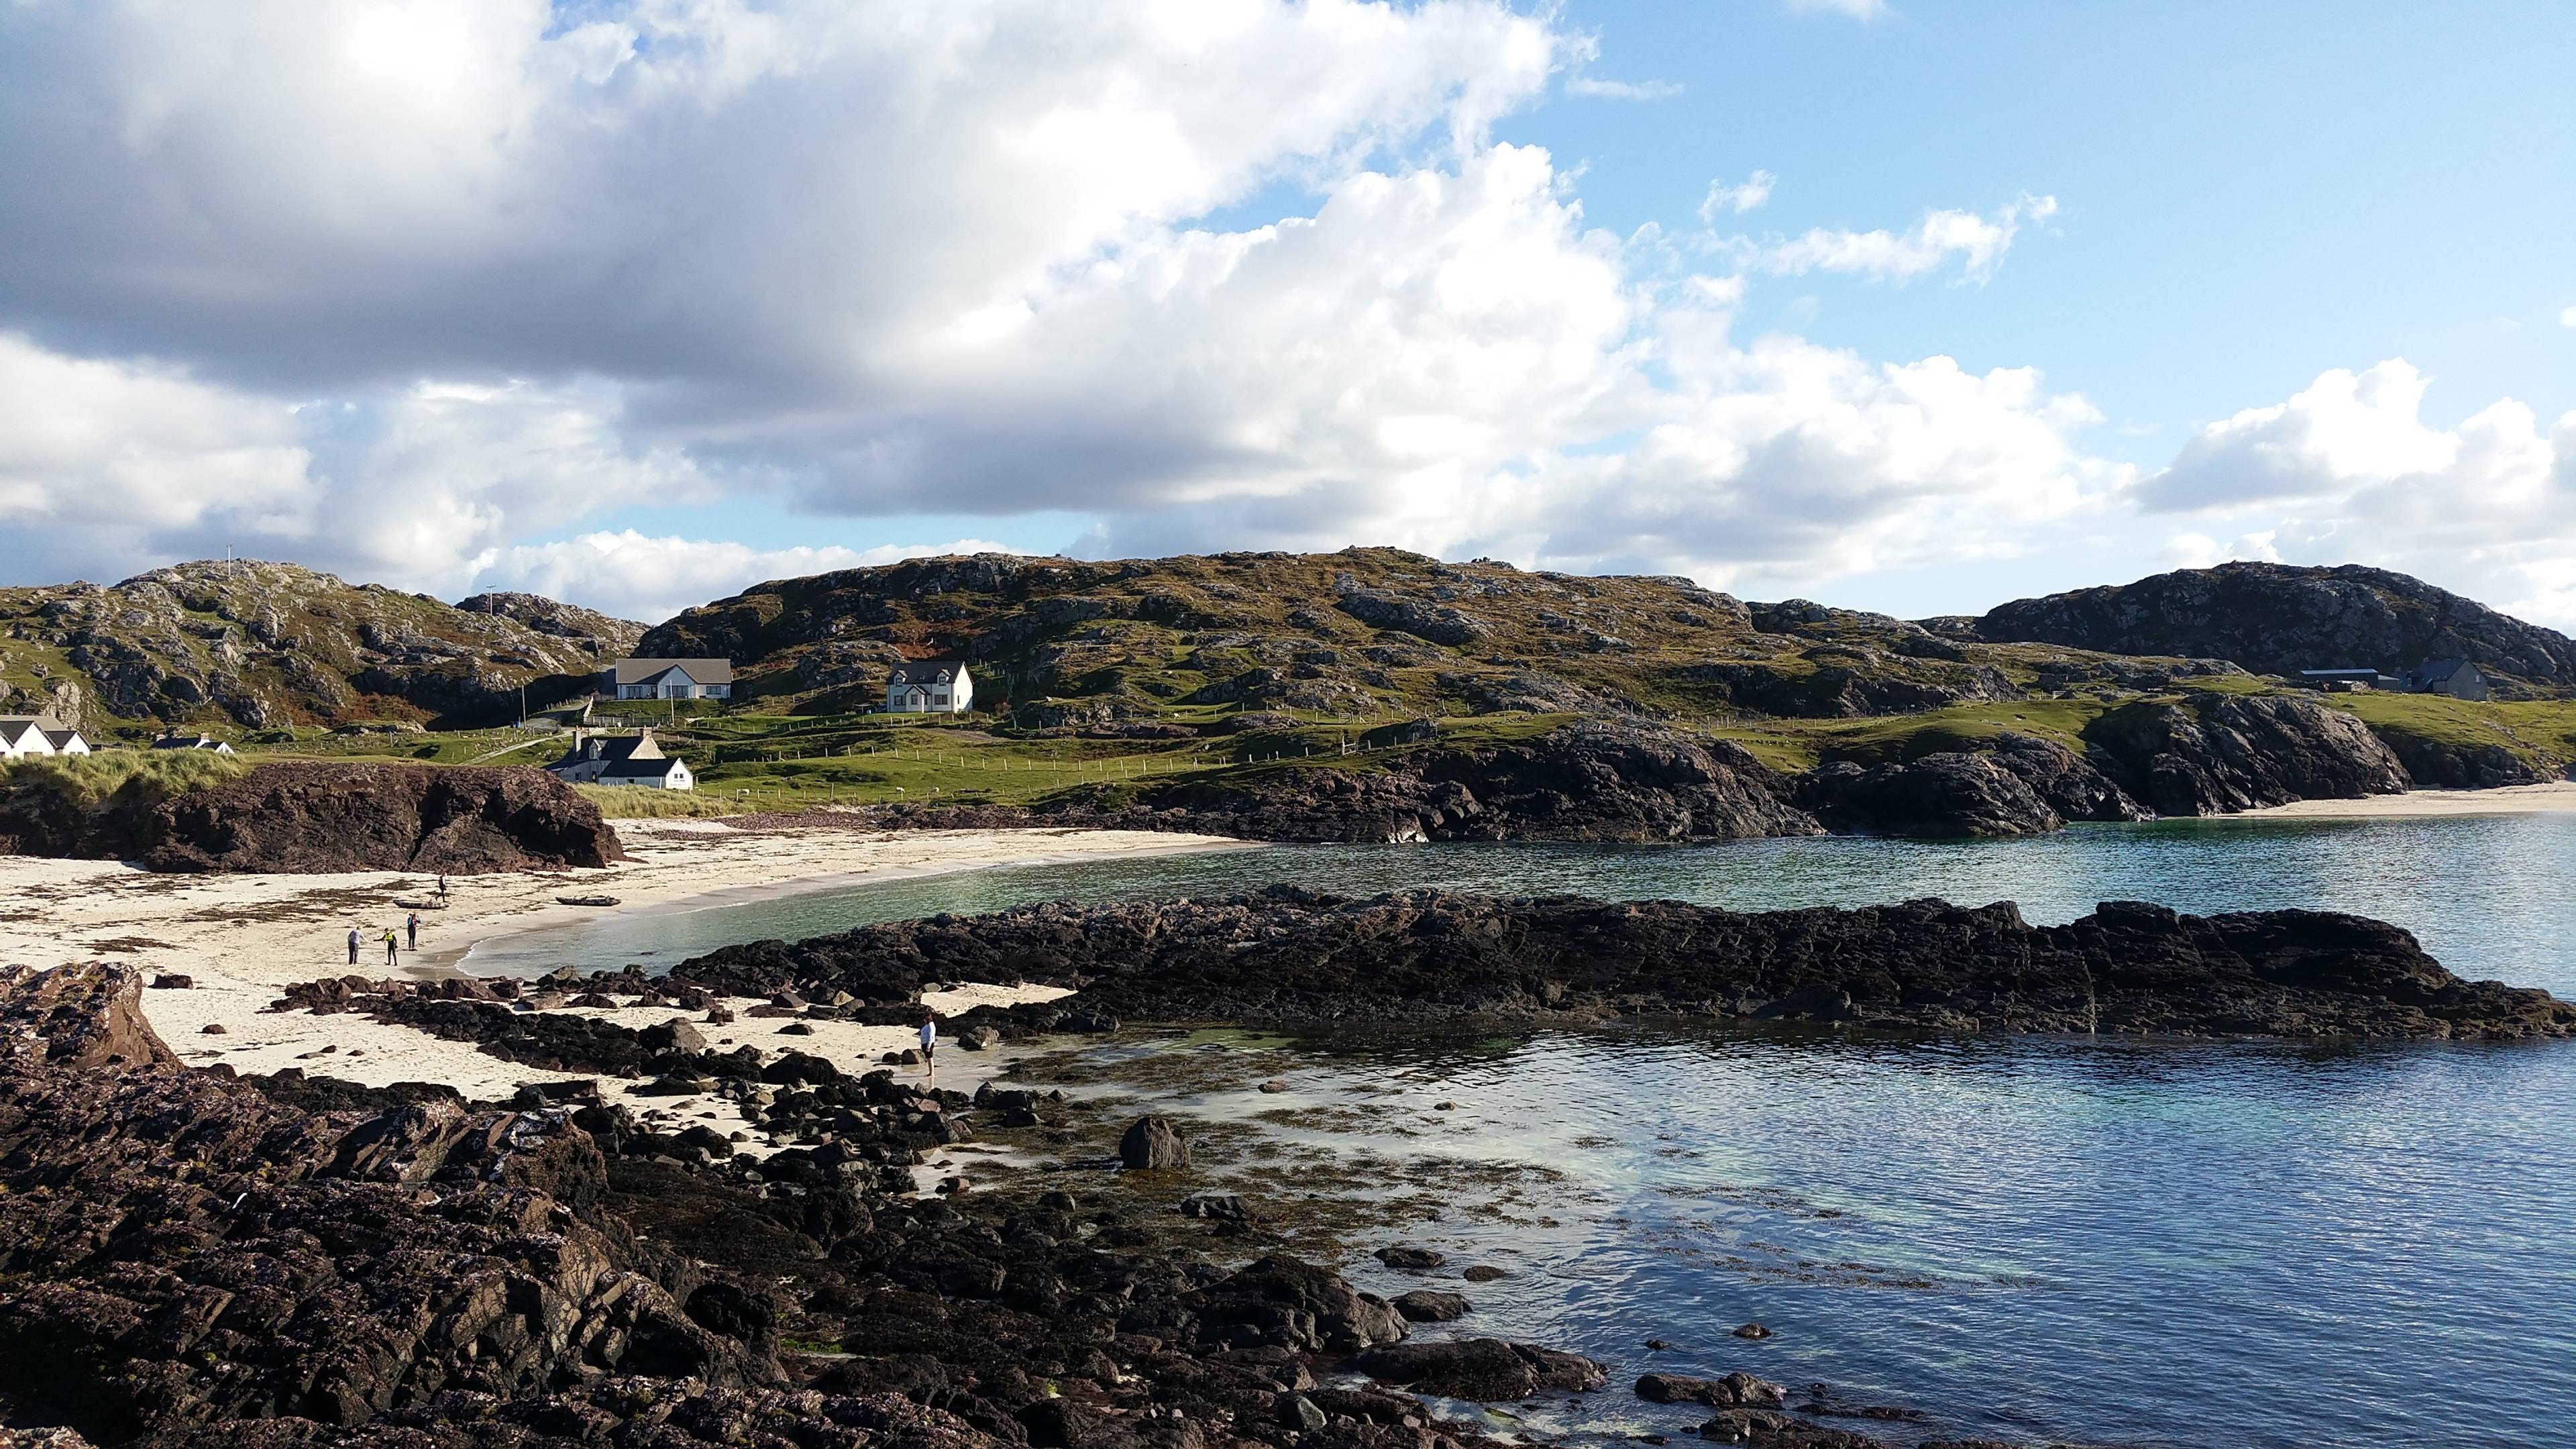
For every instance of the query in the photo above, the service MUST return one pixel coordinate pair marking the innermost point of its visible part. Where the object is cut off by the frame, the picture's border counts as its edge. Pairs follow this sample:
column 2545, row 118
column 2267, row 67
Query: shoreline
column 2551, row 797
column 242, row 939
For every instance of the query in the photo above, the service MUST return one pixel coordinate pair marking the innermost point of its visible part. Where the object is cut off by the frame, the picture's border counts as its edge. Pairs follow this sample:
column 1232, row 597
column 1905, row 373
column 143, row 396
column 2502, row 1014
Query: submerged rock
column 1483, row 1369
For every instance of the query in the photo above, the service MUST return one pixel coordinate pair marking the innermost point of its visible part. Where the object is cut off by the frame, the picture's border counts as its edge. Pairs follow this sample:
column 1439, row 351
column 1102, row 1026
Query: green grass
column 2541, row 732
column 622, row 802
column 1794, row 745
column 87, row 782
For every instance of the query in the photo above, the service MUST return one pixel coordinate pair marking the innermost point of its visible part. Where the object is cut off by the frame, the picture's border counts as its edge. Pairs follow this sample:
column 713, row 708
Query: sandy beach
column 242, row 938
column 2544, row 799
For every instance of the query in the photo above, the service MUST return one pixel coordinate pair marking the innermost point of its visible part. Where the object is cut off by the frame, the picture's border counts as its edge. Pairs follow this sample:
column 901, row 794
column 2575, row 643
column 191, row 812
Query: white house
column 622, row 760
column 668, row 679
column 191, row 742
column 930, row 686
column 66, row 741
column 23, row 736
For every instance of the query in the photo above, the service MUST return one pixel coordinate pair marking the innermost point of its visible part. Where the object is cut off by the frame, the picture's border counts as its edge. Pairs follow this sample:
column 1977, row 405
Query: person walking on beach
column 393, row 946
column 442, row 887
column 930, row 1043
column 411, row 929
column 353, row 945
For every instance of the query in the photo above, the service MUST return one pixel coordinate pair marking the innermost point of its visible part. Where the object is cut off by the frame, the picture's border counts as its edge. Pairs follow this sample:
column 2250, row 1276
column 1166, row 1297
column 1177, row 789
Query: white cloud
column 2349, row 469
column 1977, row 243
column 634, row 576
column 2567, row 316
column 1723, row 198
column 1595, row 88
column 436, row 283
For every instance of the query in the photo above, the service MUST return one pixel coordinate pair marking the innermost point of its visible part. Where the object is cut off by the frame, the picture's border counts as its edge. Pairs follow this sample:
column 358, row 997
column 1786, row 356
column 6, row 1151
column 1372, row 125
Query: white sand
column 243, row 938
column 2549, row 798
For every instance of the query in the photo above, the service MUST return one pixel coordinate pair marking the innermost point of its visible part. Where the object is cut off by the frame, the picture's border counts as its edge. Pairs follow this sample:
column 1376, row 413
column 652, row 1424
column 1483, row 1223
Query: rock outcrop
column 2210, row 754
column 192, row 1259
column 2015, row 785
column 2279, row 619
column 311, row 817
column 268, row 645
column 1292, row 955
column 1593, row 780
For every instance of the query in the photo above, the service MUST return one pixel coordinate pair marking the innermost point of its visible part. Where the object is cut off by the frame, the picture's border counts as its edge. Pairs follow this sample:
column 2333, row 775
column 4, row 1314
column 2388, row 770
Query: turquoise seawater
column 2490, row 896
column 2033, row 1240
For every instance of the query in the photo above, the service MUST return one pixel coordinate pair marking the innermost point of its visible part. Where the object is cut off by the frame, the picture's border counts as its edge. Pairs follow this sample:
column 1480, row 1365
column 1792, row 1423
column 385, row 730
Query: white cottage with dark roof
column 667, row 679
column 622, row 760
column 930, row 686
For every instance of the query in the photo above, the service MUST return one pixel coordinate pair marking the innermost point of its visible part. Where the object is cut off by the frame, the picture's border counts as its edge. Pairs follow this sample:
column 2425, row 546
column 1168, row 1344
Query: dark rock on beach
column 1153, row 1144
column 189, row 1258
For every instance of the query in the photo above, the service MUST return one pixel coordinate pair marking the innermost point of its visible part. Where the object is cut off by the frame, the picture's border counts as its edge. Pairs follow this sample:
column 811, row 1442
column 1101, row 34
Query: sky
column 1896, row 304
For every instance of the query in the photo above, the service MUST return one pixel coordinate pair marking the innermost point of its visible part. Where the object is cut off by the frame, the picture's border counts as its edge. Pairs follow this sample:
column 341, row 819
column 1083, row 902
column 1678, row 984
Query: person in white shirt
column 929, row 1041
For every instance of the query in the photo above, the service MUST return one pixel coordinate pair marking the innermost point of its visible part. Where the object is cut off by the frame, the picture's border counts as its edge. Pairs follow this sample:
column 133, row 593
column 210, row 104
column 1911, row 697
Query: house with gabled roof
column 191, row 742
column 24, row 735
column 667, row 679
column 930, row 686
column 2457, row 678
column 635, row 759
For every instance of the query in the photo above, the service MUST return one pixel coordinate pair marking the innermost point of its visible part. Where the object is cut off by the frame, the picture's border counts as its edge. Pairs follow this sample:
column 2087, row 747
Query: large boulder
column 312, row 818
column 1153, row 1144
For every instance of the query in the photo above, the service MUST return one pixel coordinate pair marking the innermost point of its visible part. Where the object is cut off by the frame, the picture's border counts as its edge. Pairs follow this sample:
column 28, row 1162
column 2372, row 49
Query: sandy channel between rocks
column 243, row 938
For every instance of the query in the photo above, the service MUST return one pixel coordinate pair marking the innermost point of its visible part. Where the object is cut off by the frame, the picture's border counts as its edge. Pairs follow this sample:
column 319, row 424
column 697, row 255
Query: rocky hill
column 301, row 817
column 1355, row 634
column 2279, row 619
column 268, row 645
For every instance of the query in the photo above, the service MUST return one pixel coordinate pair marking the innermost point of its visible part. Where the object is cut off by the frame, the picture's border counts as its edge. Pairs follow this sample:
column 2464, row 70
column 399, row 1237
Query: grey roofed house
column 667, row 679
column 592, row 756
column 20, row 734
column 660, row 770
column 2457, row 678
column 191, row 742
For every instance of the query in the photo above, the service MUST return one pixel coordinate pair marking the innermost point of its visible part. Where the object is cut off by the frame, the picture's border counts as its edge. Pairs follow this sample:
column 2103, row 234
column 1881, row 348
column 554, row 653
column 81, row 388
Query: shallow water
column 2125, row 1243
column 2489, row 895
column 2168, row 1244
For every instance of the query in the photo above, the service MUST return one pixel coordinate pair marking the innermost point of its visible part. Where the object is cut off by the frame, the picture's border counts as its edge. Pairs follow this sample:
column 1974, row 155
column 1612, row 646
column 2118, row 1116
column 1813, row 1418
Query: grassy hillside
column 1109, row 679
column 1359, row 636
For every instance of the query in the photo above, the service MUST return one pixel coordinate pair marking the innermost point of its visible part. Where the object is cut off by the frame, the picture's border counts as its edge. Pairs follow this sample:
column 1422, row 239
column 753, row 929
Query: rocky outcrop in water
column 316, row 818
column 2210, row 754
column 1291, row 955
column 2279, row 619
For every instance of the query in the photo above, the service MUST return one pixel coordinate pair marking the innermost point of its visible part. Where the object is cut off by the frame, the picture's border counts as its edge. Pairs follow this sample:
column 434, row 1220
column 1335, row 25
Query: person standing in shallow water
column 930, row 1043
column 353, row 945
